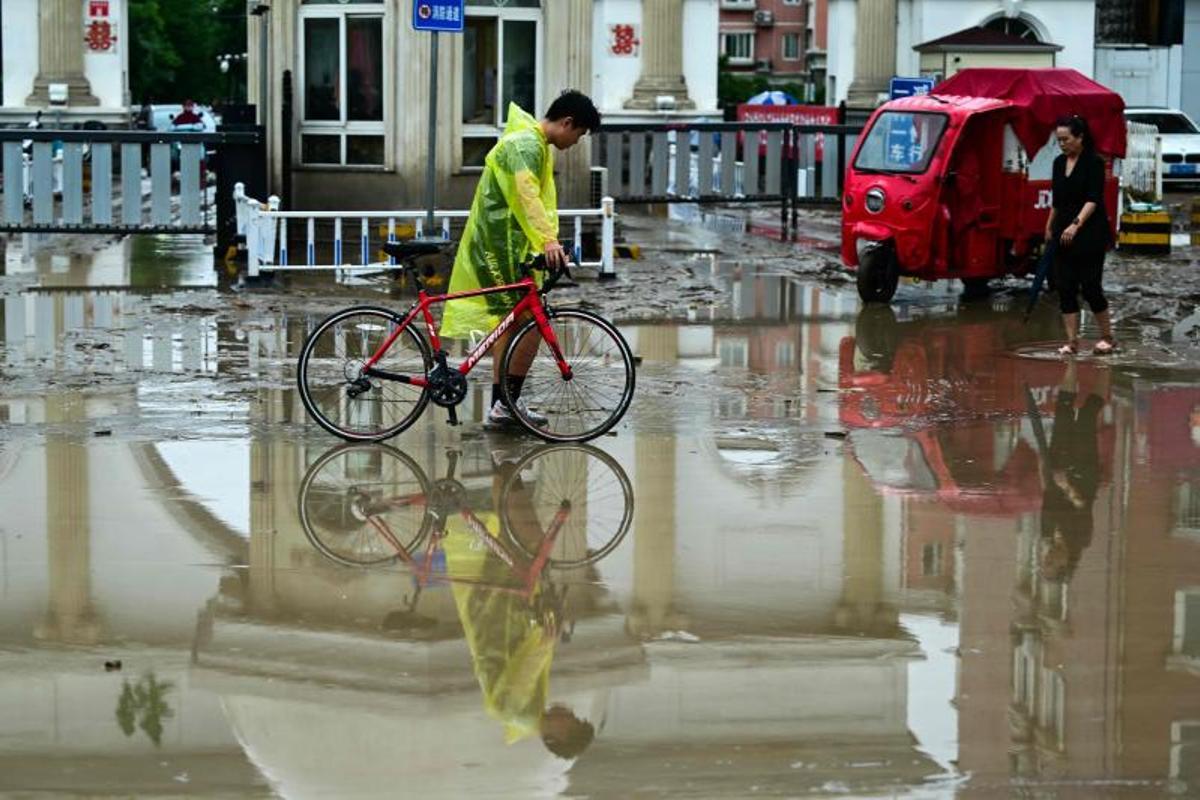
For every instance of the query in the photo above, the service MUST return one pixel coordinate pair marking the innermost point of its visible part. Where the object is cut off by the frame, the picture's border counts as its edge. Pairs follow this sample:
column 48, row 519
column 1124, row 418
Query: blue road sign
column 908, row 87
column 441, row 16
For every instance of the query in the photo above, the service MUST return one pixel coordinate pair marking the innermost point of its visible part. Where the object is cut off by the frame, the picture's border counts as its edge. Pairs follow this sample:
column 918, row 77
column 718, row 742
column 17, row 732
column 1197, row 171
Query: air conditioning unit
column 764, row 18
column 762, row 64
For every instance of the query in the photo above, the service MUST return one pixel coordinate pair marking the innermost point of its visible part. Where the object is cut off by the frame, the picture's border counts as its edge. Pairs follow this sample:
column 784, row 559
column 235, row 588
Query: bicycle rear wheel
column 576, row 493
column 596, row 394
column 332, row 389
column 364, row 505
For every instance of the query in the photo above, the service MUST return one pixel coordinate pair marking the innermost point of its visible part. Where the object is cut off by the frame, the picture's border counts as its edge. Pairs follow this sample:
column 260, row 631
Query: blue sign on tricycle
column 442, row 16
column 909, row 87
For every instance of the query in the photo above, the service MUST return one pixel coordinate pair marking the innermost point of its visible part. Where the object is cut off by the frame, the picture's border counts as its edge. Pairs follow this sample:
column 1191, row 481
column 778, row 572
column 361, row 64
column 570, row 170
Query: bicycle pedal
column 453, row 421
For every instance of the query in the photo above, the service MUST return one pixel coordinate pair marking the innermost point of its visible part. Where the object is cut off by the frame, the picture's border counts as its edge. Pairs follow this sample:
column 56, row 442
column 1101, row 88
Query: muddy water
column 827, row 553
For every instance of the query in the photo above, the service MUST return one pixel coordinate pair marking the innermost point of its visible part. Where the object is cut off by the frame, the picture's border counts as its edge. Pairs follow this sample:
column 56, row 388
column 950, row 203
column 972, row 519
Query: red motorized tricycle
column 956, row 183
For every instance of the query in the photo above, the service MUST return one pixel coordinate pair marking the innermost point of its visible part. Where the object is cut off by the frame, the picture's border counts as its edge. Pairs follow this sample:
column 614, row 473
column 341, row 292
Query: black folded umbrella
column 1039, row 275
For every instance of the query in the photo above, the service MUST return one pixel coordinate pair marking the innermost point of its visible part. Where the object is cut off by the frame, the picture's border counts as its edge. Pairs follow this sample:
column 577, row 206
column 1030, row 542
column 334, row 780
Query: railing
column 727, row 163
column 45, row 188
column 352, row 243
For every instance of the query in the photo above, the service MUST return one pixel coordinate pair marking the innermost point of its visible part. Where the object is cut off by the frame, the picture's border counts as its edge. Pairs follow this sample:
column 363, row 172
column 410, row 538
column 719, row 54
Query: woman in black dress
column 1079, row 222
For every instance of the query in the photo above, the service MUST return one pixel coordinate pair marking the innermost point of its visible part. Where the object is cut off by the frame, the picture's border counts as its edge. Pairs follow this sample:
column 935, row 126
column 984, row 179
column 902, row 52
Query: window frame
column 791, row 36
column 739, row 61
column 476, row 130
column 344, row 128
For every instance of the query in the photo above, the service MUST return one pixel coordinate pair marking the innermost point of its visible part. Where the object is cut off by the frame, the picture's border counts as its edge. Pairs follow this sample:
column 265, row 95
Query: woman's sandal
column 1068, row 349
column 1104, row 347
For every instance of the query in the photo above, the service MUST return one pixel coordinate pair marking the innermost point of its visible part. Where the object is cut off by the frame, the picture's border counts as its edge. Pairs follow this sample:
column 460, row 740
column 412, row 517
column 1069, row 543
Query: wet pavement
column 827, row 553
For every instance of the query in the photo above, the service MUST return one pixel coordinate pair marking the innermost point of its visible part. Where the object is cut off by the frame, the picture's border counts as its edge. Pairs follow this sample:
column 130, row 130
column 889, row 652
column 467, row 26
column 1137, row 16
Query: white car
column 1180, row 141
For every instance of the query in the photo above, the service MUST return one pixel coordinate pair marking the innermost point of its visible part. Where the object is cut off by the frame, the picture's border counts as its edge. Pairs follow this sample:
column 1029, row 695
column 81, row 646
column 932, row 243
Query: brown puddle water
column 827, row 553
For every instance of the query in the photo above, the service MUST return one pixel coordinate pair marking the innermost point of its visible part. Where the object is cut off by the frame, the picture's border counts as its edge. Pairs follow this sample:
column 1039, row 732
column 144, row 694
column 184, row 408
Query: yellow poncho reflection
column 511, row 650
column 514, row 214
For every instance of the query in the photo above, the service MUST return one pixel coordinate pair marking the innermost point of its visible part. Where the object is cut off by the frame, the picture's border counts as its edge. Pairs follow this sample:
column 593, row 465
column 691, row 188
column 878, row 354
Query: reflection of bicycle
column 366, row 373
column 563, row 506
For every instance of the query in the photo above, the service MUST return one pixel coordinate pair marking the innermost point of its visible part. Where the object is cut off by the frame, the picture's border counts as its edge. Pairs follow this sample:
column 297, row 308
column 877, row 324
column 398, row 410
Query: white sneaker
column 540, row 420
column 501, row 416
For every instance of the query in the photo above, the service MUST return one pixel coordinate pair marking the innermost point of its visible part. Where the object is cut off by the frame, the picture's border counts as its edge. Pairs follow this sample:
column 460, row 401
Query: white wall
column 701, row 21
column 1190, row 95
column 613, row 77
column 20, row 42
column 1143, row 76
column 840, row 56
column 106, row 72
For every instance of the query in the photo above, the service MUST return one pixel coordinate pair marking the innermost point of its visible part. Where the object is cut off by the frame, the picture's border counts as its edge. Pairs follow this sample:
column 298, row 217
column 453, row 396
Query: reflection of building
column 1063, row 675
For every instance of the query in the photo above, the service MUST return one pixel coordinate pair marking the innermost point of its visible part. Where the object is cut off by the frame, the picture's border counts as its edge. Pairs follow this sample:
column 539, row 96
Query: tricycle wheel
column 878, row 275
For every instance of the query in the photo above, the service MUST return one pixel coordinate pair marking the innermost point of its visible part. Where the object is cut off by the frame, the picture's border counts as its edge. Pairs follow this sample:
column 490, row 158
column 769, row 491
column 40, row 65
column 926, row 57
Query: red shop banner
column 796, row 115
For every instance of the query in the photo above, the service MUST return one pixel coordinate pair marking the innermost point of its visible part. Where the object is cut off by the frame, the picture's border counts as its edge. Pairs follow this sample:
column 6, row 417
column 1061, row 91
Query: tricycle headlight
column 875, row 200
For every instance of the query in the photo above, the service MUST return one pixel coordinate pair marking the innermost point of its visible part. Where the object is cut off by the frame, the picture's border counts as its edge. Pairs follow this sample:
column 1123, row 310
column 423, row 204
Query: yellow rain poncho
column 513, row 216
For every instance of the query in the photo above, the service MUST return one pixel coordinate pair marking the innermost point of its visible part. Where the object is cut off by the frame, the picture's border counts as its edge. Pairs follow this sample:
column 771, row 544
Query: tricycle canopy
column 1040, row 97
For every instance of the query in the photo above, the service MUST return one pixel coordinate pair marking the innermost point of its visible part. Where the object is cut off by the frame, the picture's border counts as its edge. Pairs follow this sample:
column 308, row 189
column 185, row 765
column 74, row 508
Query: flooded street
column 827, row 552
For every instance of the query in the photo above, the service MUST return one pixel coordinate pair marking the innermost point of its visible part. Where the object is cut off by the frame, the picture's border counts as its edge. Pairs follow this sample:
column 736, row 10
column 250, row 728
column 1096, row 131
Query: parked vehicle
column 939, row 186
column 1180, row 142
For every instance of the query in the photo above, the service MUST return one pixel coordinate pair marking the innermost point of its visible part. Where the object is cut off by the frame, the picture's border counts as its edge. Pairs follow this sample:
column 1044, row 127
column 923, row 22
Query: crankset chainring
column 447, row 387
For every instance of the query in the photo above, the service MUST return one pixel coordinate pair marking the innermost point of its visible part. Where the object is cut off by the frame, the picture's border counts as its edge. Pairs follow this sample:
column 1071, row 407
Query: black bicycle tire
column 630, row 386
column 328, row 425
column 311, row 474
column 589, row 450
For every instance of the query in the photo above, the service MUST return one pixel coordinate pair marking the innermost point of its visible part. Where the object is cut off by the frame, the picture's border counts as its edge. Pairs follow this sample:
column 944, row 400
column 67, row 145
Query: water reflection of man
column 512, row 636
column 1073, row 467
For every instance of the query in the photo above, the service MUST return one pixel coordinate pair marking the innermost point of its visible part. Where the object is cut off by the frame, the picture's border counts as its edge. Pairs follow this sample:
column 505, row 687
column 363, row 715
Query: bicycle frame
column 528, row 574
column 531, row 302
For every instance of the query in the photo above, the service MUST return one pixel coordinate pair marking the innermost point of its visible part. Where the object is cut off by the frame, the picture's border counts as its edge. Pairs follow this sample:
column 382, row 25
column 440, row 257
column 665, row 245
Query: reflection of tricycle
column 951, row 185
column 938, row 407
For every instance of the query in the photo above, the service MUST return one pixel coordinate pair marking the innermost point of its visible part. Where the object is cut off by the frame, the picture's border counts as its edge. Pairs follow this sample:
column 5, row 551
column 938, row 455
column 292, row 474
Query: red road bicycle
column 366, row 373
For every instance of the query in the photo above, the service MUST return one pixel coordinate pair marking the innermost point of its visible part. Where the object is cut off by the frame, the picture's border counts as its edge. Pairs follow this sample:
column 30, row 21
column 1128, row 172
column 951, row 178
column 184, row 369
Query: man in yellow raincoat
column 513, row 217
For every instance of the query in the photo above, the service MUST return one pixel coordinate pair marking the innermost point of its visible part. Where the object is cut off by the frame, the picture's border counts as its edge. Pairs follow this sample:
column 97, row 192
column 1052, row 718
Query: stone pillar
column 864, row 608
column 569, row 66
column 654, row 525
column 60, row 53
column 662, row 56
column 874, row 52
column 70, row 616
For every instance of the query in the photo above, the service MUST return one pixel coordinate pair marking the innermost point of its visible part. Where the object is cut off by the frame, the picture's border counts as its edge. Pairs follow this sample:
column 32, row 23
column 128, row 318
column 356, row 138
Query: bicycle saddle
column 402, row 251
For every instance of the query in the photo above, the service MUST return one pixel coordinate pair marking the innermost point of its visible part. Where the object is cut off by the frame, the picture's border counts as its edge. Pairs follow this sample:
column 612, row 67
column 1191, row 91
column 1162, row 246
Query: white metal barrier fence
column 353, row 242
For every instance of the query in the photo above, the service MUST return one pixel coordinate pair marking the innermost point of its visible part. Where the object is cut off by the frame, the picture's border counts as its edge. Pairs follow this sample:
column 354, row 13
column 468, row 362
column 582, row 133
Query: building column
column 70, row 616
column 874, row 52
column 662, row 56
column 864, row 608
column 60, row 53
column 569, row 66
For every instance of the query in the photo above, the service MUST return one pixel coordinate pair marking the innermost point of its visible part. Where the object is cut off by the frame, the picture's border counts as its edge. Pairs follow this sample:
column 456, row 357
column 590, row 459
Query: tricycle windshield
column 901, row 141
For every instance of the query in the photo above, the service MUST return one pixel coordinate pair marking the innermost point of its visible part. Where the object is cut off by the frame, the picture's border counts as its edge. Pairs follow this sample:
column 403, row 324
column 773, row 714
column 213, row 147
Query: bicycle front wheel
column 364, row 505
column 589, row 400
column 344, row 402
column 577, row 494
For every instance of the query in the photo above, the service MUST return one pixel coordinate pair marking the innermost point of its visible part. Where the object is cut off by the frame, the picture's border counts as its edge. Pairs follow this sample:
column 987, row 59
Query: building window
column 1013, row 26
column 791, row 46
column 792, row 2
column 1187, row 508
column 1185, row 751
column 931, row 560
column 343, row 84
column 1187, row 623
column 738, row 47
column 501, row 52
